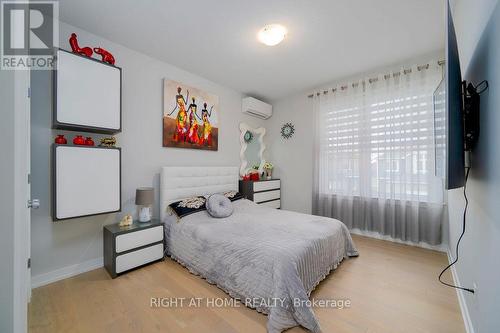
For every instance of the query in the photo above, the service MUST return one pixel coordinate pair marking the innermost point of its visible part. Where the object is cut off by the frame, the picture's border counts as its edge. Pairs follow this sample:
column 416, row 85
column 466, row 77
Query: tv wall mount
column 471, row 104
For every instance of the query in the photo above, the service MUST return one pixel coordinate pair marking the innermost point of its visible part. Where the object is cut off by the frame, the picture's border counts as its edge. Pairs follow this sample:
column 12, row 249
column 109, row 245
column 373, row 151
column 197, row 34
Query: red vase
column 60, row 139
column 79, row 140
column 89, row 141
column 254, row 176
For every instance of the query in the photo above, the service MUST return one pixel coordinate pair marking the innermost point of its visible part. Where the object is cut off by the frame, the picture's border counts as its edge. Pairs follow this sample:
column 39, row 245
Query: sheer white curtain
column 374, row 167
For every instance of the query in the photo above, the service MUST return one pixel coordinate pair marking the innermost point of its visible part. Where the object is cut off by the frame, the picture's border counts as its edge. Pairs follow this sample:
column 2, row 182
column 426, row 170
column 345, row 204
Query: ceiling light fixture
column 272, row 34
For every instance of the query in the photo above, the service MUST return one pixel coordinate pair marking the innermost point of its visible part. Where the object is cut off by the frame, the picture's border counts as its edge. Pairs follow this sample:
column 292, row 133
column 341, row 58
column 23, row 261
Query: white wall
column 7, row 125
column 77, row 244
column 477, row 26
column 293, row 158
column 470, row 18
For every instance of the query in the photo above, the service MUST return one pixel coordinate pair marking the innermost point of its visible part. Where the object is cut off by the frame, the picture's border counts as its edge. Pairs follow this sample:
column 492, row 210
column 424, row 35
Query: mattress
column 260, row 253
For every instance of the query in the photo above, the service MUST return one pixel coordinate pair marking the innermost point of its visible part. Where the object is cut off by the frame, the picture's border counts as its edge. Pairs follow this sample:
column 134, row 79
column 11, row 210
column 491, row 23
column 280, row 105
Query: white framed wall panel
column 86, row 181
column 87, row 94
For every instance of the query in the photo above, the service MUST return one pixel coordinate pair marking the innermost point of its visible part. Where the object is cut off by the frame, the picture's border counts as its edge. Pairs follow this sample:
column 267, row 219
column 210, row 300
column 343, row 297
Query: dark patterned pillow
column 233, row 195
column 188, row 206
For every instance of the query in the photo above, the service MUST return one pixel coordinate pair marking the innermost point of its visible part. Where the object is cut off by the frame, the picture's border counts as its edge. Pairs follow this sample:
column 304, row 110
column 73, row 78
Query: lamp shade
column 144, row 196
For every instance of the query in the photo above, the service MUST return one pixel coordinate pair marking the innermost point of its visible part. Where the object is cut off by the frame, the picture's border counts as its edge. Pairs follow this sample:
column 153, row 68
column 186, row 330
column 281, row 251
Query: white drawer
column 132, row 240
column 266, row 185
column 273, row 204
column 265, row 196
column 140, row 257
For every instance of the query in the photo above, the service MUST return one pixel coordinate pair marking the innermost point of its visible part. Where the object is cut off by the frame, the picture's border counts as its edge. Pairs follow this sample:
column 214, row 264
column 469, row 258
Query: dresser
column 126, row 248
column 264, row 192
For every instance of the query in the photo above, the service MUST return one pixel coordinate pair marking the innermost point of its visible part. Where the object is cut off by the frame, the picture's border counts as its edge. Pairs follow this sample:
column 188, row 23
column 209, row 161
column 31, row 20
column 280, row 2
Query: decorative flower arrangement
column 268, row 168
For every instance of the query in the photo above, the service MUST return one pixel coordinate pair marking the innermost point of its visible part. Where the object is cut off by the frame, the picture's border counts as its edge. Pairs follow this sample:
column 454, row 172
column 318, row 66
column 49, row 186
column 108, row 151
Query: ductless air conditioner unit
column 256, row 108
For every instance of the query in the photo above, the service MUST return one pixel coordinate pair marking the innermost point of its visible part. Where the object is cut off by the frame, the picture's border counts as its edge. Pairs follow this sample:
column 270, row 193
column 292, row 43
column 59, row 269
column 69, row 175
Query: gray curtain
column 407, row 221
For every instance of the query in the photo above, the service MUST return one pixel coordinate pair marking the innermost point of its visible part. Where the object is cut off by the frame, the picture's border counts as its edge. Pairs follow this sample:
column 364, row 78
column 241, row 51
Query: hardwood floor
column 392, row 288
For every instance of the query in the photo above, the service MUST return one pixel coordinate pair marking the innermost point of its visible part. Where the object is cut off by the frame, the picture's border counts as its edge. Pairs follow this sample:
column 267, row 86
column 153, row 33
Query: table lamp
column 144, row 198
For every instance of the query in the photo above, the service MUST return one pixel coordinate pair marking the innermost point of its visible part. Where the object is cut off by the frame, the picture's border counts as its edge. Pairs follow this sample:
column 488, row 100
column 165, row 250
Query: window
column 376, row 139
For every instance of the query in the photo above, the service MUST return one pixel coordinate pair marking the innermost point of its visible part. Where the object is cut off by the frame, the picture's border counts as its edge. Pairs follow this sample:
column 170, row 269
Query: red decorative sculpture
column 106, row 56
column 86, row 51
column 254, row 176
column 61, row 140
column 79, row 140
column 89, row 141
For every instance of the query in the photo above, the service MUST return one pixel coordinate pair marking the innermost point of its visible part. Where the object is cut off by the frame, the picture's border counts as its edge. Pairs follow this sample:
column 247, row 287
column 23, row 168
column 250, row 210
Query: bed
column 268, row 259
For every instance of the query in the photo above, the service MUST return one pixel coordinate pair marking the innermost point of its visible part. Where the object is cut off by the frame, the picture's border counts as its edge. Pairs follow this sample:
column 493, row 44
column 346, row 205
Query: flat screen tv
column 448, row 116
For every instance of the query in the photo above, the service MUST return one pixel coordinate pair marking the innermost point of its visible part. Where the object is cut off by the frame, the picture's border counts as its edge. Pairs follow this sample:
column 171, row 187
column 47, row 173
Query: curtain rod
column 375, row 79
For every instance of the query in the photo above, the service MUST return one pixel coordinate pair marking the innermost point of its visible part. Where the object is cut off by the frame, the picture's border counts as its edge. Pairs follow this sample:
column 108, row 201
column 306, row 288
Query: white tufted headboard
column 181, row 182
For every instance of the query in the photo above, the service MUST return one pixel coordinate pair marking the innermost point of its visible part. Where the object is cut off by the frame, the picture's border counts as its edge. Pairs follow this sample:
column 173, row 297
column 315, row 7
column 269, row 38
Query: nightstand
column 264, row 192
column 126, row 248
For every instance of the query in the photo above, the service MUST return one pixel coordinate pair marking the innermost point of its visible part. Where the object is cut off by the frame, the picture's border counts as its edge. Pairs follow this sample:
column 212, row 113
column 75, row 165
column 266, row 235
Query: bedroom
column 323, row 116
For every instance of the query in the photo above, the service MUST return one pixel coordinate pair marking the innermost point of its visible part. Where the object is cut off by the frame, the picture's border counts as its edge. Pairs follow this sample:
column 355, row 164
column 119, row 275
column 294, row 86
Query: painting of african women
column 189, row 117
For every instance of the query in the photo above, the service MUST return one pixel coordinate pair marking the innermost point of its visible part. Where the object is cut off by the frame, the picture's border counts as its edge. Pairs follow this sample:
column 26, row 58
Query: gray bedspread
column 262, row 253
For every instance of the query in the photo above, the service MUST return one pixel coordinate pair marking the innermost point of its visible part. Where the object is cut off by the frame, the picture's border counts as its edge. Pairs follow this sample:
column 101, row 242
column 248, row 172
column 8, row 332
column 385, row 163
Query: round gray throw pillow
column 219, row 206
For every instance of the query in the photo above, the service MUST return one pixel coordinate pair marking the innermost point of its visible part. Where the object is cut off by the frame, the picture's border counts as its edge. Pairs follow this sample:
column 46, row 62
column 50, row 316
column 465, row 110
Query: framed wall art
column 190, row 117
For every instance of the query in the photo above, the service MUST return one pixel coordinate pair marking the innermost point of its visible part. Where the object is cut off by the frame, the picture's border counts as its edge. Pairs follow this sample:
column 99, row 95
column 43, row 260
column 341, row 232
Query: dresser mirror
column 252, row 148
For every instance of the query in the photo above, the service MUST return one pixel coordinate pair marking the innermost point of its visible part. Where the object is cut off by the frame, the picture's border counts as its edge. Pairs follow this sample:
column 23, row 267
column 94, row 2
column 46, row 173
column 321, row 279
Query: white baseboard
column 469, row 328
column 373, row 234
column 65, row 272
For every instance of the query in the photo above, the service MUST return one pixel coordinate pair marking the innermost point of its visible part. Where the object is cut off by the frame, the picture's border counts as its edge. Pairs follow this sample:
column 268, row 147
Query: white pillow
column 219, row 206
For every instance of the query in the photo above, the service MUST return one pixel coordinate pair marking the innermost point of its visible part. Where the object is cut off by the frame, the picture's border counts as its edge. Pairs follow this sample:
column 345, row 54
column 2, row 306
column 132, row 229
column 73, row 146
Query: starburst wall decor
column 287, row 130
